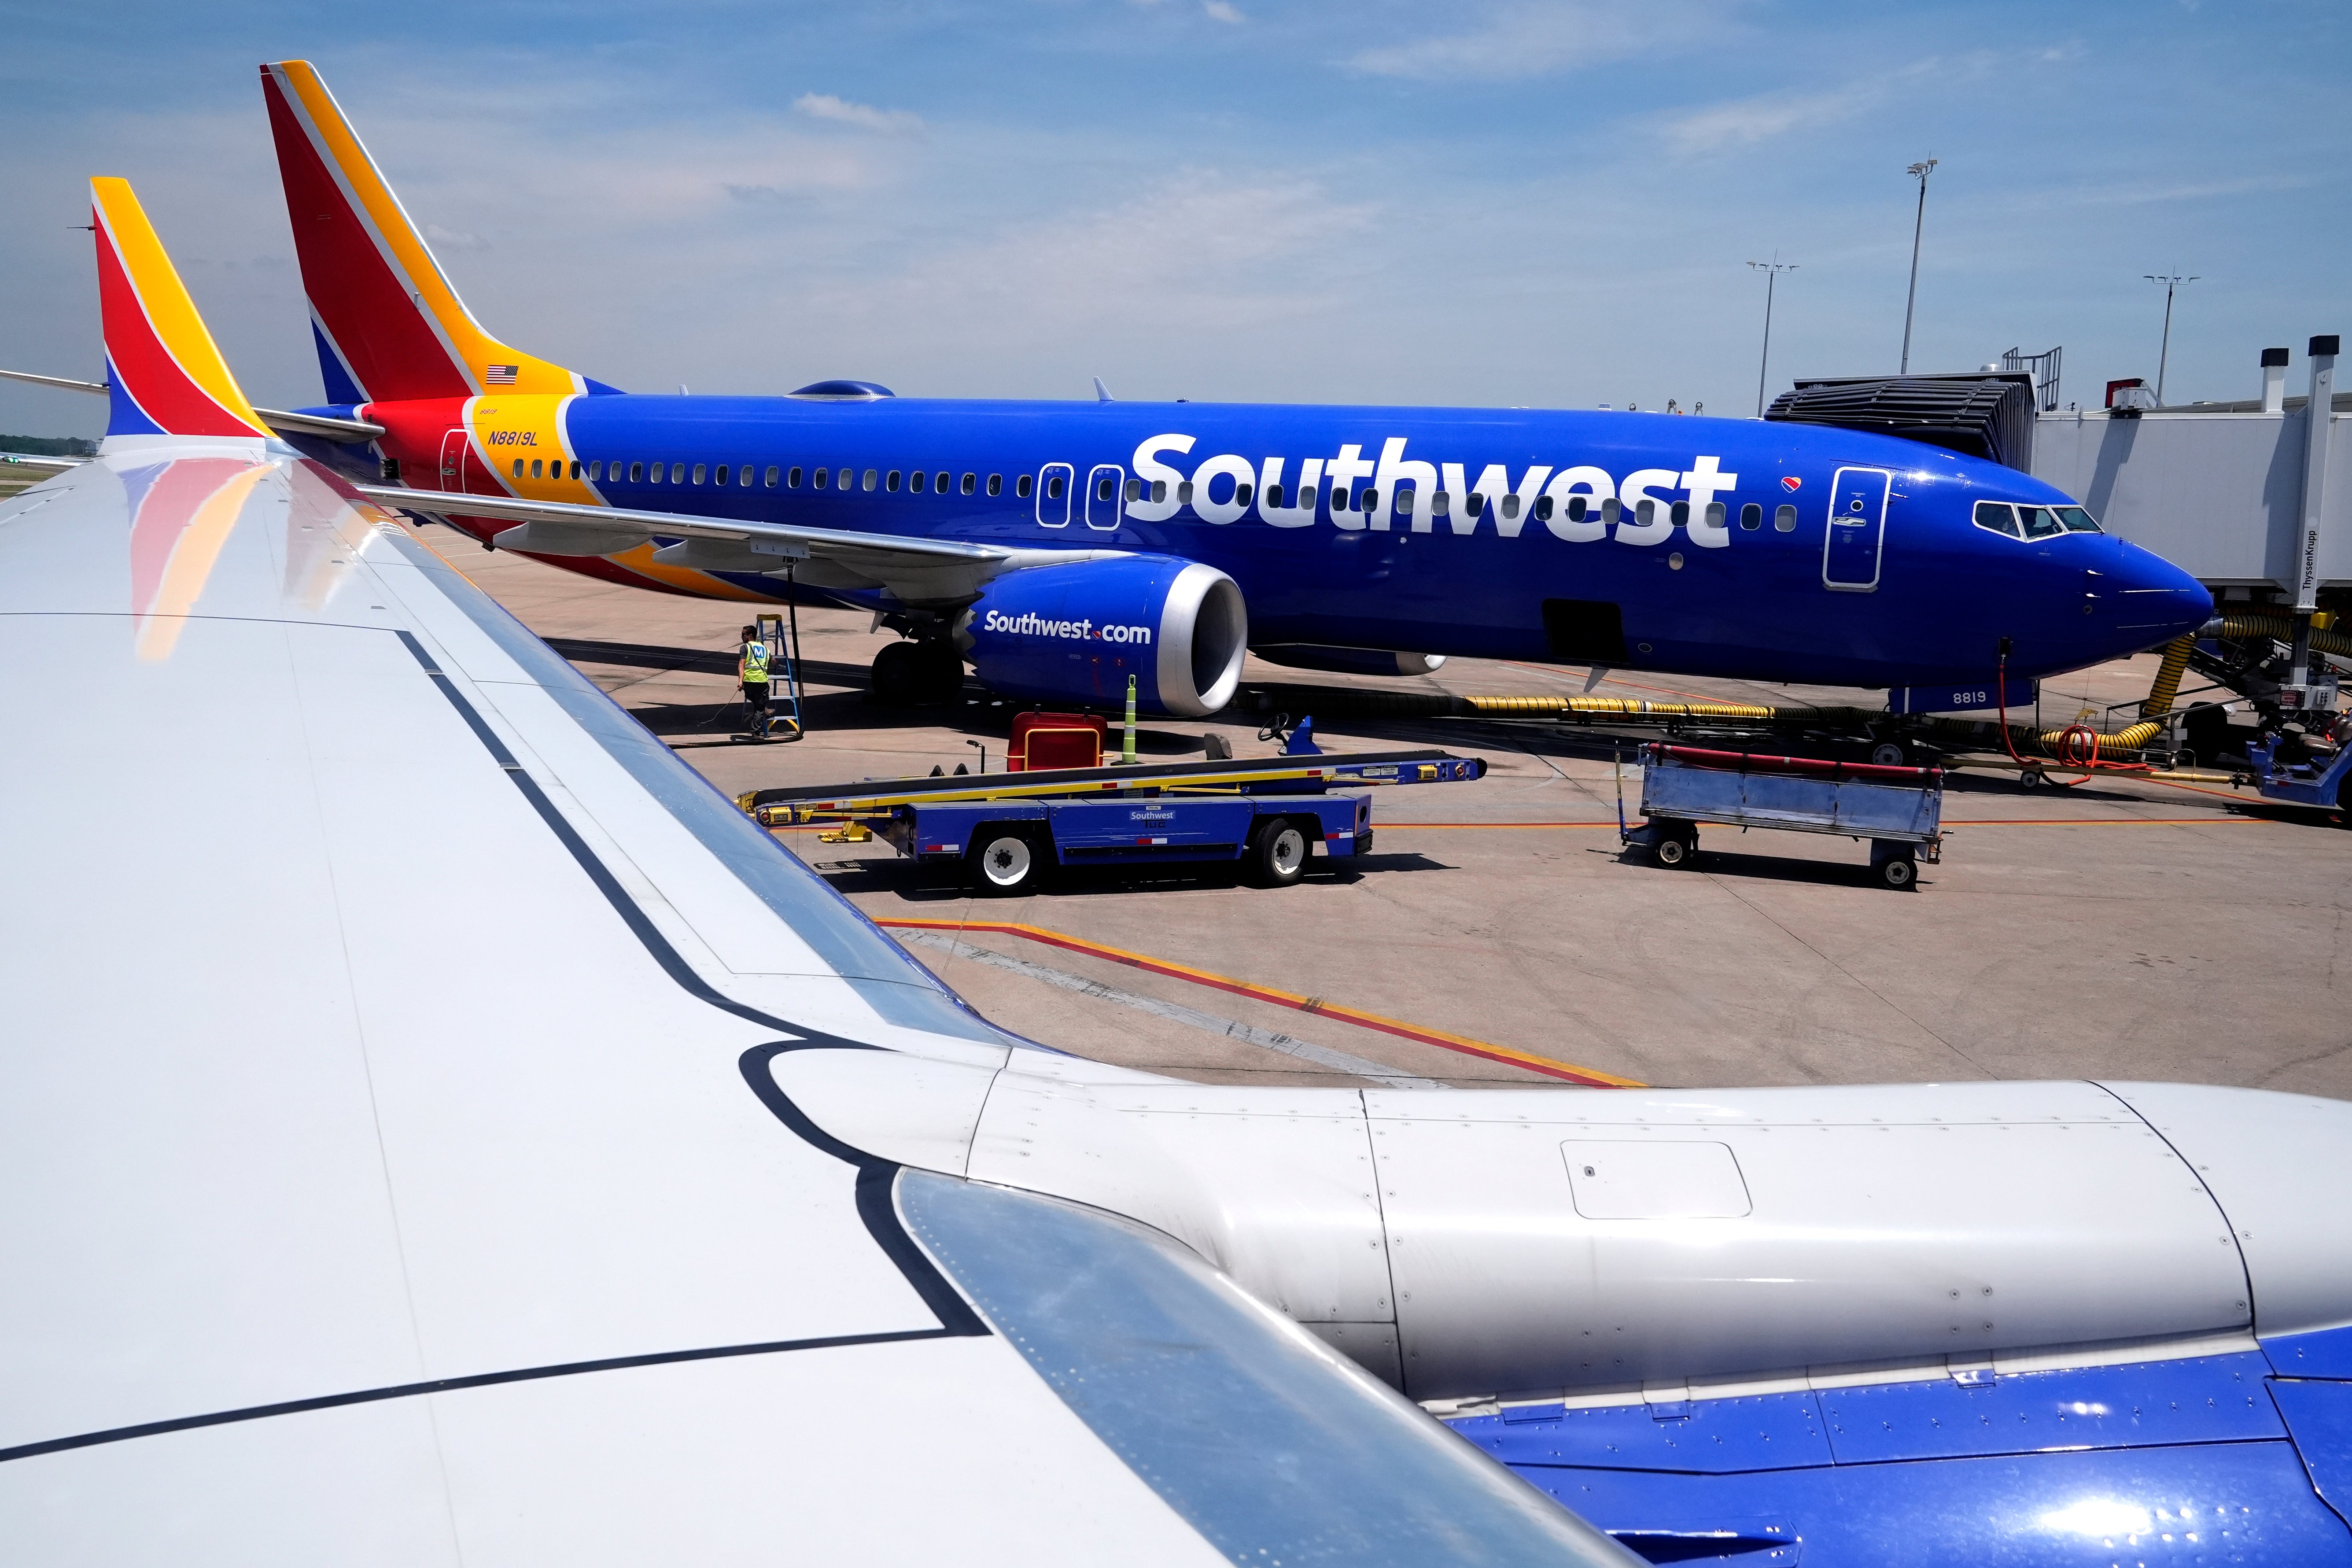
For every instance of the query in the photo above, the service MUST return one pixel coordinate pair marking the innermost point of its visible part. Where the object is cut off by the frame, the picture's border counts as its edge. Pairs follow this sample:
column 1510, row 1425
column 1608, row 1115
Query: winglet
column 165, row 374
column 1102, row 392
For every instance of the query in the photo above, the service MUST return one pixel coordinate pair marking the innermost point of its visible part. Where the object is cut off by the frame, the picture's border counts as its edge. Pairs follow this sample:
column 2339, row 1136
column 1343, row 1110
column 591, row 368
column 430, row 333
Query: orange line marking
column 1590, row 1077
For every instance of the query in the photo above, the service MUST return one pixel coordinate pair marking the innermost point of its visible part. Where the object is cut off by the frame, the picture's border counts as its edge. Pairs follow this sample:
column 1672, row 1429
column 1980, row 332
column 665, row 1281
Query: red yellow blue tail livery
column 165, row 374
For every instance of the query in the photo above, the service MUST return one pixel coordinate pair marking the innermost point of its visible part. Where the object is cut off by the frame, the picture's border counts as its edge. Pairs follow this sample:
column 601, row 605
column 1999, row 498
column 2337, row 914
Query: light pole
column 1771, row 270
column 2171, row 281
column 1919, row 172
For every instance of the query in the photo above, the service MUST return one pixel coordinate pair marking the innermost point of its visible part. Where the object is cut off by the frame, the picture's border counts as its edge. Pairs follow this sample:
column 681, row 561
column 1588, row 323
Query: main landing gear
column 917, row 674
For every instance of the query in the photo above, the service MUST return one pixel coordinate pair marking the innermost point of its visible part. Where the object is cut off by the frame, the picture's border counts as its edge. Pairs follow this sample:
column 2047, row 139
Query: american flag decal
column 499, row 375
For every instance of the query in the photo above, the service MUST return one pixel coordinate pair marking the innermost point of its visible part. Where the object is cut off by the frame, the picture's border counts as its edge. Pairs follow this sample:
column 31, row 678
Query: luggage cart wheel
column 1671, row 851
column 1005, row 861
column 2031, row 778
column 1897, row 869
column 1277, row 854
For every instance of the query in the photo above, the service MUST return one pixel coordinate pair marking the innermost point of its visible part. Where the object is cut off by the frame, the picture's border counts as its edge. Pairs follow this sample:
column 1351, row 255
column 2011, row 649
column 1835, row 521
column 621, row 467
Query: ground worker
column 751, row 669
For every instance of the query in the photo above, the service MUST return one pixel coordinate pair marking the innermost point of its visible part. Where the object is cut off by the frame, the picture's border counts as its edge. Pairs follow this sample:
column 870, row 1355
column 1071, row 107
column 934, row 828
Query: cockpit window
column 2076, row 519
column 1997, row 516
column 2039, row 521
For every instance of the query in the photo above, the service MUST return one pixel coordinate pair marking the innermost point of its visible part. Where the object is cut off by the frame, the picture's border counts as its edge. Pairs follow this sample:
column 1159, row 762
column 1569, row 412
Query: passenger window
column 596, row 468
column 1184, row 493
column 1679, row 514
column 636, row 473
column 1715, row 513
column 791, row 480
column 1020, row 487
column 1612, row 510
column 916, row 480
column 1241, row 494
column 700, row 473
column 1473, row 503
column 1273, row 493
column 1510, row 506
column 517, row 473
column 1439, row 503
column 721, row 476
column 824, row 478
column 1751, row 517
column 2038, row 524
column 939, row 483
column 996, row 484
column 678, row 473
column 1645, row 513
column 1159, row 492
column 575, row 471
column 972, row 486
column 871, row 476
column 1577, row 507
column 1784, row 519
column 890, row 481
column 772, row 475
column 744, row 477
column 1543, row 509
column 1997, row 516
column 2076, row 519
column 1134, row 489
column 1054, row 488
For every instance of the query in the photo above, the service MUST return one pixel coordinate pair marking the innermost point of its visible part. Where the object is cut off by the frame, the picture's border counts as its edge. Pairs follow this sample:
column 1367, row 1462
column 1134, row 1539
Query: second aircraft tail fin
column 165, row 374
column 388, row 324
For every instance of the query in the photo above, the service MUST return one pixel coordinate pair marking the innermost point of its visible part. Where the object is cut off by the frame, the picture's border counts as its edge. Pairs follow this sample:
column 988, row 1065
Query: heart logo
column 1792, row 483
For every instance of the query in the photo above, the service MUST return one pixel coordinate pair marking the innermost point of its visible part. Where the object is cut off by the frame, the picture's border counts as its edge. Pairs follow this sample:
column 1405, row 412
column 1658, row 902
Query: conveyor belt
column 803, row 802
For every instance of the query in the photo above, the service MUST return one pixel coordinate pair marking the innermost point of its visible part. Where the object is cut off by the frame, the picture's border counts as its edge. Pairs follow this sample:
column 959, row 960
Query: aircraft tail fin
column 387, row 323
column 165, row 374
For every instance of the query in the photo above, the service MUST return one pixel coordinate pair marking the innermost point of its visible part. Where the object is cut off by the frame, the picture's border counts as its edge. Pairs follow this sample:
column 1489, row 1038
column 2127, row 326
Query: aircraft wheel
column 898, row 672
column 1277, row 854
column 1889, row 754
column 1006, row 860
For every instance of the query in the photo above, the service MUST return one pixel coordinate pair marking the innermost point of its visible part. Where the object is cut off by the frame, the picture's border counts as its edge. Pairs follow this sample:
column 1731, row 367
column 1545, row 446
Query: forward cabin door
column 1857, row 530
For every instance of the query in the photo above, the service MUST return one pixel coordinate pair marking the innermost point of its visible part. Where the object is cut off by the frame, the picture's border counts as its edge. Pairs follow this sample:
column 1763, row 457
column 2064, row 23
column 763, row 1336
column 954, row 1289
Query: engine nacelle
column 1075, row 633
column 1349, row 660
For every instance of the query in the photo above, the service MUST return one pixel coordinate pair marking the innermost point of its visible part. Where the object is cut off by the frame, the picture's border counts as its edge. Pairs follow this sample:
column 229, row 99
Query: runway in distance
column 1060, row 547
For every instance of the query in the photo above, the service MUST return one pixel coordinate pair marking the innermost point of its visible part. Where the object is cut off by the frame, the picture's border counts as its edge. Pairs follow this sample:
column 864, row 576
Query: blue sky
column 1492, row 204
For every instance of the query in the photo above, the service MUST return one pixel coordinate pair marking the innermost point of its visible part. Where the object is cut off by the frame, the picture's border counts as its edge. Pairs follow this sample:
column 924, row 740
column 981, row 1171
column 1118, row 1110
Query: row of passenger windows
column 744, row 477
column 2032, row 521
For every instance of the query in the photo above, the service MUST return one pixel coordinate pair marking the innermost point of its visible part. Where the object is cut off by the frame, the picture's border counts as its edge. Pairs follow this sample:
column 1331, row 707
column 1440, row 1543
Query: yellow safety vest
column 752, row 667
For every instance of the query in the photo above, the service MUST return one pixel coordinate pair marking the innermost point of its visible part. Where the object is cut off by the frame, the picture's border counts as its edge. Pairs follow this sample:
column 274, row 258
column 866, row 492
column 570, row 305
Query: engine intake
column 1075, row 633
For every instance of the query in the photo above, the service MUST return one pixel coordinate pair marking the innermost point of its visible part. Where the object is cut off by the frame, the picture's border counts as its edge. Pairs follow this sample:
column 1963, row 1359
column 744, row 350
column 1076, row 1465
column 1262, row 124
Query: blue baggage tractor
column 1899, row 809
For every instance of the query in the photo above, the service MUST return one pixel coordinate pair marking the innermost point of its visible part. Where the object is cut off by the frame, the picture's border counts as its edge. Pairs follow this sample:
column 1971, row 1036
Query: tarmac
column 2122, row 929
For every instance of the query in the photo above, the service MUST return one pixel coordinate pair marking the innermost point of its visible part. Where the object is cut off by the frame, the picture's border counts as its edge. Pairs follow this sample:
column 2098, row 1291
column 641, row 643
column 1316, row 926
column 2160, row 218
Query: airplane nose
column 2156, row 600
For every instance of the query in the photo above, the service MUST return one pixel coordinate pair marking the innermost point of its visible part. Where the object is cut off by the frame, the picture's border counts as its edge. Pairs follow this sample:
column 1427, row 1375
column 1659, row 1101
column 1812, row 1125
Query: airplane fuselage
column 1711, row 547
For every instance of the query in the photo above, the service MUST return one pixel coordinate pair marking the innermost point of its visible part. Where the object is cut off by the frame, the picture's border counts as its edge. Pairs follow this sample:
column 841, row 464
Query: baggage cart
column 1898, row 809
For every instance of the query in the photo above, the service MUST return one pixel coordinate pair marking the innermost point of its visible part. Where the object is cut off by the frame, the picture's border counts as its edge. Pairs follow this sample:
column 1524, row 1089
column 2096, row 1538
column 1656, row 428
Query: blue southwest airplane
column 1058, row 547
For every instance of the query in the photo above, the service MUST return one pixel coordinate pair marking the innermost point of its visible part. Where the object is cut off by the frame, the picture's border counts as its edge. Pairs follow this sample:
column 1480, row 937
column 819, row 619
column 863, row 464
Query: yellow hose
column 2160, row 696
column 2249, row 623
column 1618, row 705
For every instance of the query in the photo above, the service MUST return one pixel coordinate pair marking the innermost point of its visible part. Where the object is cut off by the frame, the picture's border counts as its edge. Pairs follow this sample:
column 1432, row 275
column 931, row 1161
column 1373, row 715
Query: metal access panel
column 1857, row 529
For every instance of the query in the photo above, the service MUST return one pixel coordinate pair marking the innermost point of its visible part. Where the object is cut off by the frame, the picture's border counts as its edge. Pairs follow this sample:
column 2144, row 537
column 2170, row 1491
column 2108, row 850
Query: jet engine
column 1075, row 632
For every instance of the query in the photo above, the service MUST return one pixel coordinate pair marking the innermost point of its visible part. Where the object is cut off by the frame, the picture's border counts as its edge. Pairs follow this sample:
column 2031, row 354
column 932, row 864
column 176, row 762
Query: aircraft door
column 453, row 460
column 1104, row 501
column 1054, row 481
column 1857, row 530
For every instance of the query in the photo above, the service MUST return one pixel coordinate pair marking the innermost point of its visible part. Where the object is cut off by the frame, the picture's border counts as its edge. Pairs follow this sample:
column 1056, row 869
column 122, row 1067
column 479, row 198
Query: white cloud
column 1748, row 121
column 825, row 106
column 1521, row 38
column 454, row 239
column 1221, row 11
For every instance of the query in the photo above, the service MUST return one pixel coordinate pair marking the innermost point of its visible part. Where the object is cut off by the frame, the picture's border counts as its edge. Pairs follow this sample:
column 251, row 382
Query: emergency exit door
column 1857, row 530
